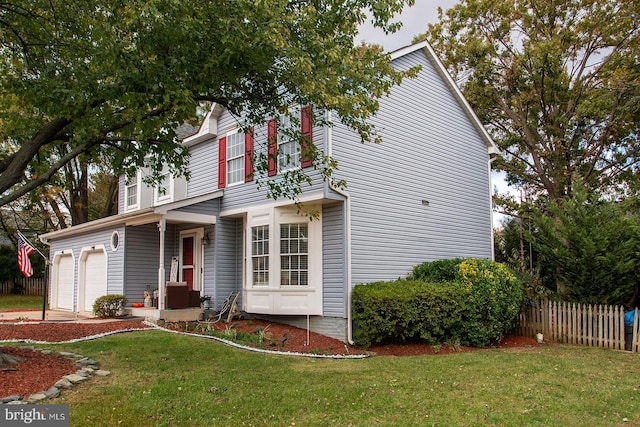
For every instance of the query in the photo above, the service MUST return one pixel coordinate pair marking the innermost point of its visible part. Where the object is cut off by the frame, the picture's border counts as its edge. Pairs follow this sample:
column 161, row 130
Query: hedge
column 471, row 301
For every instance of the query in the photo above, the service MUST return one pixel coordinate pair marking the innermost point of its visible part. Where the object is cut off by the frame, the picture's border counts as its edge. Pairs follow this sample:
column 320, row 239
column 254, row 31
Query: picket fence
column 580, row 324
column 30, row 286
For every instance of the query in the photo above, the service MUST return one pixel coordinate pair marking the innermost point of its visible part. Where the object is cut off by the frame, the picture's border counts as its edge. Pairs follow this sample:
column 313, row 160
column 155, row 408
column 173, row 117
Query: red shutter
column 222, row 162
column 306, row 124
column 272, row 151
column 248, row 155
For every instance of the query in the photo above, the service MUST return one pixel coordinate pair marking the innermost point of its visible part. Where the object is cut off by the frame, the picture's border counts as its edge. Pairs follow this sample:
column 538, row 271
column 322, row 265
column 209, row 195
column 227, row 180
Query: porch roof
column 169, row 212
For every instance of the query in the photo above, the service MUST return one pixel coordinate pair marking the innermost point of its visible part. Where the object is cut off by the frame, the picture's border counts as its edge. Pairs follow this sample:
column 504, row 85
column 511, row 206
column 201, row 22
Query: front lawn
column 11, row 301
column 160, row 378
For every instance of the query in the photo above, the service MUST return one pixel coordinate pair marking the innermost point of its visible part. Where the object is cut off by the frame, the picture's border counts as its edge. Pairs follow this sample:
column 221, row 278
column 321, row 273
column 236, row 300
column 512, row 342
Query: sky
column 415, row 20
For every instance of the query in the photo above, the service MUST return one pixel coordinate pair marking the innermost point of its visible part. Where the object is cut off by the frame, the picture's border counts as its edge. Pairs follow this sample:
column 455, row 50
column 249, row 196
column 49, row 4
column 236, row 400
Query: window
column 288, row 157
column 163, row 190
column 115, row 241
column 294, row 255
column 284, row 141
column 260, row 255
column 131, row 193
column 235, row 157
column 290, row 281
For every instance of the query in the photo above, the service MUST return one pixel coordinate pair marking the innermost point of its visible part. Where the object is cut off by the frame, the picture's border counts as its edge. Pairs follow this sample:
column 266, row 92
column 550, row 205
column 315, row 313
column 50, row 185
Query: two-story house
column 421, row 195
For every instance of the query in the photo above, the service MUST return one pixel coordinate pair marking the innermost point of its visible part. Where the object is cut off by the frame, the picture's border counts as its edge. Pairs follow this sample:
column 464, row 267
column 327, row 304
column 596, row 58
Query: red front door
column 188, row 261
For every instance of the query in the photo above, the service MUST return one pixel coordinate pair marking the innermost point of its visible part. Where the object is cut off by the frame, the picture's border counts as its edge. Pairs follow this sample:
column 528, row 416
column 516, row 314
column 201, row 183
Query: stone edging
column 86, row 368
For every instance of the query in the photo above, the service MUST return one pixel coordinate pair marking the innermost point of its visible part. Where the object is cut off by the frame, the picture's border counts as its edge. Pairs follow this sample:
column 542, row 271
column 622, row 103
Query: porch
column 153, row 314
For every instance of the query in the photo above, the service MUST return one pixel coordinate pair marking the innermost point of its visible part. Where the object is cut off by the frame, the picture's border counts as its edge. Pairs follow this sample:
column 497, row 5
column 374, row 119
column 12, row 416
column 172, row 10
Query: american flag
column 24, row 250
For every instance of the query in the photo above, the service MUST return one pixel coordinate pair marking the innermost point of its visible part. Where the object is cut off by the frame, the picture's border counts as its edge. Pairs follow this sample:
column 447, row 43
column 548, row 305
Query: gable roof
column 427, row 49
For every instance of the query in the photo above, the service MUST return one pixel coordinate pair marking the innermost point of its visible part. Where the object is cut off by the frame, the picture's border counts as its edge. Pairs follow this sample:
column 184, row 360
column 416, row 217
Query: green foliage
column 405, row 310
column 109, row 305
column 470, row 301
column 555, row 82
column 443, row 270
column 110, row 82
column 590, row 249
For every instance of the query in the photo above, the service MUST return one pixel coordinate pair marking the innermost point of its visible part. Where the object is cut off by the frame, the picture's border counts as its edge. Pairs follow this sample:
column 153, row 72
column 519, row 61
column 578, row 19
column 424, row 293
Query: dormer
column 208, row 129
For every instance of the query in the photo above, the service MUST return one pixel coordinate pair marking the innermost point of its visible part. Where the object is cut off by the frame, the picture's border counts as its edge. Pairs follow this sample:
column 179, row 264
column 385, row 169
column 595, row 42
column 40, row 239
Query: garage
column 62, row 295
column 93, row 278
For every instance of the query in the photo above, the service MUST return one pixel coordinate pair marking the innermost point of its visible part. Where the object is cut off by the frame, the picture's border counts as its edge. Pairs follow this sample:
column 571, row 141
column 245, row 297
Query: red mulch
column 38, row 372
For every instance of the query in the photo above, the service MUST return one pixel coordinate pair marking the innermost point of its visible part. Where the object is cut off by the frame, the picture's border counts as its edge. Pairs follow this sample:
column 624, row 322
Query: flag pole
column 46, row 273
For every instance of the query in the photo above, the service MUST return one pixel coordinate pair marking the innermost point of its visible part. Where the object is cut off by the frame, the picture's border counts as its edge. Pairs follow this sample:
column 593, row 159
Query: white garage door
column 64, row 289
column 95, row 278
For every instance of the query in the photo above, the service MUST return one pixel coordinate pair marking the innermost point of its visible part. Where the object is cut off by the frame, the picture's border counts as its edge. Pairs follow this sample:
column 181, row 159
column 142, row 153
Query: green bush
column 443, row 270
column 405, row 310
column 109, row 305
column 472, row 301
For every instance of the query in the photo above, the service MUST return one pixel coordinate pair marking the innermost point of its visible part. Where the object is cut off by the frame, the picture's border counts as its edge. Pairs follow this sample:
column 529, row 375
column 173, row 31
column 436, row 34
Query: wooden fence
column 30, row 286
column 580, row 324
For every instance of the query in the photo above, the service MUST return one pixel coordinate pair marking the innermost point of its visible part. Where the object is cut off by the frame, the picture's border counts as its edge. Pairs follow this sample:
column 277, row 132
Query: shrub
column 109, row 305
column 405, row 310
column 494, row 298
column 472, row 301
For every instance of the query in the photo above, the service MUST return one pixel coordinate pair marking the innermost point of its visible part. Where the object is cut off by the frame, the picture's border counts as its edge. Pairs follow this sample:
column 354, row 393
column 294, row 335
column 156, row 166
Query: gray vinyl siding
column 333, row 260
column 203, row 165
column 228, row 270
column 210, row 207
column 430, row 152
column 115, row 259
column 142, row 260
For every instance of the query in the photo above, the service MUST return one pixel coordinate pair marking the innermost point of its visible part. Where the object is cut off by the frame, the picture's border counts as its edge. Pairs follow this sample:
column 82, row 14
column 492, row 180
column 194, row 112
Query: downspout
column 162, row 227
column 492, row 157
column 329, row 135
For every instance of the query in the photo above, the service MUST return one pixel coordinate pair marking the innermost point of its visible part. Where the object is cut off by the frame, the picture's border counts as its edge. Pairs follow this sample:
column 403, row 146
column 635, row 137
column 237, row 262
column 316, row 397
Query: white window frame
column 166, row 177
column 274, row 297
column 288, row 160
column 260, row 248
column 136, row 183
column 236, row 158
column 292, row 273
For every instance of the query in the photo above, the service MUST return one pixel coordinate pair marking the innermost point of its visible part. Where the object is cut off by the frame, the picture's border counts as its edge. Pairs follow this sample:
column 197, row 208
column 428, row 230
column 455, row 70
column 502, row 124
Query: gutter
column 329, row 140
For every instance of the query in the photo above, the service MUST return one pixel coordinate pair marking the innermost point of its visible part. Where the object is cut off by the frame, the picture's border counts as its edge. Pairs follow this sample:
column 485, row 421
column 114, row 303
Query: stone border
column 86, row 368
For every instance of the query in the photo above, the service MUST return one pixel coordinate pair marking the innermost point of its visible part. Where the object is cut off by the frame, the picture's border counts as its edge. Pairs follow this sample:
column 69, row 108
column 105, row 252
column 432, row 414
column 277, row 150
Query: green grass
column 10, row 301
column 165, row 379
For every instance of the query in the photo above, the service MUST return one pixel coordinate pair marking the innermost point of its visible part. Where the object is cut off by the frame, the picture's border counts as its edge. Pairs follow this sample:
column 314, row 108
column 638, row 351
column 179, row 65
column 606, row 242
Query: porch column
column 162, row 227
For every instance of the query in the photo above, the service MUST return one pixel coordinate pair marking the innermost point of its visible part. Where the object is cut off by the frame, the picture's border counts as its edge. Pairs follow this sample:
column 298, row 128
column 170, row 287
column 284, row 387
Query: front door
column 190, row 258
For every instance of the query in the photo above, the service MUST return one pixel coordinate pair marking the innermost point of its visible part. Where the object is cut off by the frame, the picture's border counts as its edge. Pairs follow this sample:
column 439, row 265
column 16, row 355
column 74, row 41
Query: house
column 423, row 194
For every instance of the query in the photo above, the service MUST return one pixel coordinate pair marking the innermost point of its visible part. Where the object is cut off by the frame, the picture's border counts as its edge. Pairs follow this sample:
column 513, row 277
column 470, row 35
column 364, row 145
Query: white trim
column 274, row 298
column 161, row 199
column 143, row 216
column 227, row 159
column 138, row 184
column 83, row 273
column 116, row 234
column 208, row 129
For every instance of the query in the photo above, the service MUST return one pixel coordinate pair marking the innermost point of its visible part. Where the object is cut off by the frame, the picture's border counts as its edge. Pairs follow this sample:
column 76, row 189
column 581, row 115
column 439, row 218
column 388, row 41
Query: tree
column 589, row 248
column 113, row 80
column 557, row 83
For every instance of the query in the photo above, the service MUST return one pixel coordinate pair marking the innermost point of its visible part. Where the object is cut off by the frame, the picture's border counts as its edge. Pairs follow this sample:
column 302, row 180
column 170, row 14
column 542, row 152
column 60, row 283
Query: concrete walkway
column 55, row 316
